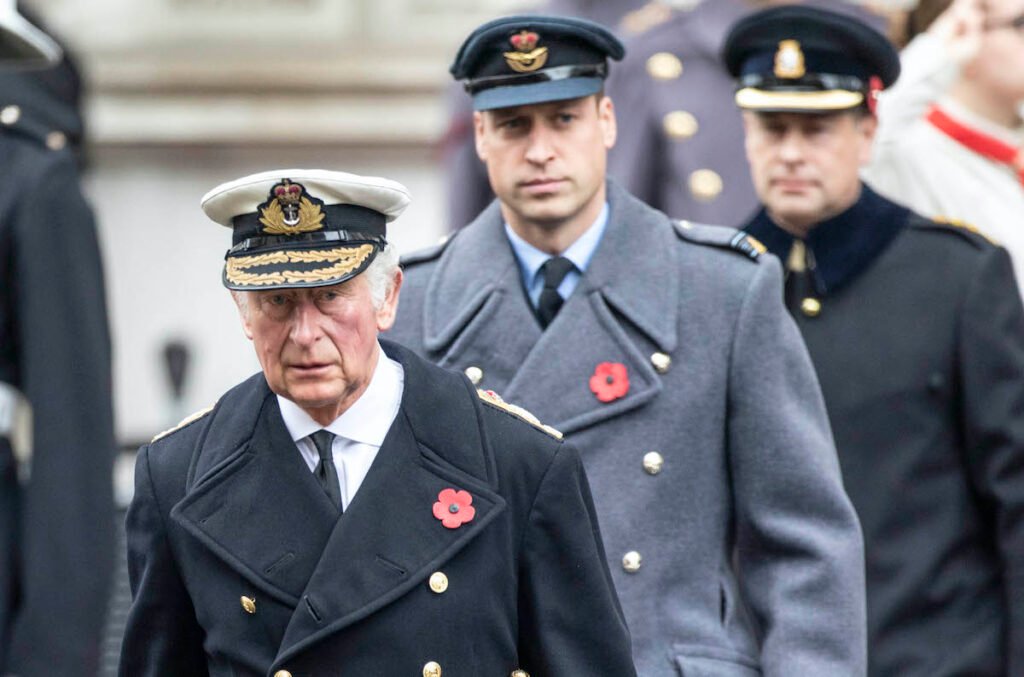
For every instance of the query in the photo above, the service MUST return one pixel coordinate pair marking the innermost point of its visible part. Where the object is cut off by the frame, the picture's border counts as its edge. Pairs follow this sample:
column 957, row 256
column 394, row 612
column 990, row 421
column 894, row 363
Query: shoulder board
column 721, row 236
column 494, row 399
column 427, row 254
column 191, row 418
column 966, row 230
column 18, row 122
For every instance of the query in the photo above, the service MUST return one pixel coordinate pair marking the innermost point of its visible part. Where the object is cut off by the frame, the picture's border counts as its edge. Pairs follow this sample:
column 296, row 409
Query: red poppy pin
column 875, row 88
column 454, row 508
column 610, row 381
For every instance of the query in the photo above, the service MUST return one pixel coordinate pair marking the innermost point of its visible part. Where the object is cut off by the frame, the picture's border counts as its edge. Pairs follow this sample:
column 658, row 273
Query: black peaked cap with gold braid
column 808, row 60
column 303, row 227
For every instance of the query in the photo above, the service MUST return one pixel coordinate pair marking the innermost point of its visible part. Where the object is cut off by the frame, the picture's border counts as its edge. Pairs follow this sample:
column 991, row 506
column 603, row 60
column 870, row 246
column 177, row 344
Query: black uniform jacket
column 919, row 346
column 56, row 526
column 225, row 507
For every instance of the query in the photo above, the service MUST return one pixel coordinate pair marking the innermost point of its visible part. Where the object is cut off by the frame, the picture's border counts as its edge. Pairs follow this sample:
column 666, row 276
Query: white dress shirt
column 359, row 431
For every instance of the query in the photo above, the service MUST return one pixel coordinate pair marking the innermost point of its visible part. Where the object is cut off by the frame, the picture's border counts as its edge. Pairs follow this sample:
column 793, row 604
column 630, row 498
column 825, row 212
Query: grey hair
column 380, row 275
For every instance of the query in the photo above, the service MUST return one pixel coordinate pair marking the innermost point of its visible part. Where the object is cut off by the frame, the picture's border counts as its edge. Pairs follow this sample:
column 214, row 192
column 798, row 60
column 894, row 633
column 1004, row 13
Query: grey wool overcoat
column 734, row 548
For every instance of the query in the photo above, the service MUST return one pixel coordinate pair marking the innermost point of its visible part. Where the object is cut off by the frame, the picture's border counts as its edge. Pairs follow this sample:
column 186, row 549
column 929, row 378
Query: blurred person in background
column 917, row 336
column 56, row 428
column 733, row 546
column 950, row 138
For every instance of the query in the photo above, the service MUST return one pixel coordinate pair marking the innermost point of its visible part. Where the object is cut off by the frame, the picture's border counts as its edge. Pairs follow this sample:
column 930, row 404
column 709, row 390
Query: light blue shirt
column 579, row 252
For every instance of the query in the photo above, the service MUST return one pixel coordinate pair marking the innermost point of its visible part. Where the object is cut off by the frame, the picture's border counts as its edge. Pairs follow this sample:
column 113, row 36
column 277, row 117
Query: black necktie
column 554, row 269
column 325, row 471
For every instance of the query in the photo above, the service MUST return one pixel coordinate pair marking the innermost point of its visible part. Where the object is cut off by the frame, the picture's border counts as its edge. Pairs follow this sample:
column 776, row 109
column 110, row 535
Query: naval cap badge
column 528, row 57
column 290, row 210
column 789, row 60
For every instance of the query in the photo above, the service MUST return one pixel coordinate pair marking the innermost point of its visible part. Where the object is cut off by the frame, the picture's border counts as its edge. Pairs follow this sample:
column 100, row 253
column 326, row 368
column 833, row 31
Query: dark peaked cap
column 829, row 54
column 528, row 59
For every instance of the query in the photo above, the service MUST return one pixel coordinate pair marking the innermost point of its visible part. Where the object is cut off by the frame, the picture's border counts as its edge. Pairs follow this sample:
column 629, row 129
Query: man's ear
column 478, row 133
column 387, row 311
column 609, row 125
column 242, row 304
column 867, row 127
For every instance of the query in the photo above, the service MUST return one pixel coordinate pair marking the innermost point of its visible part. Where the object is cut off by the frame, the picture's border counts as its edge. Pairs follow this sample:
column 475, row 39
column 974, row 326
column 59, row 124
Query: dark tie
column 554, row 269
column 325, row 471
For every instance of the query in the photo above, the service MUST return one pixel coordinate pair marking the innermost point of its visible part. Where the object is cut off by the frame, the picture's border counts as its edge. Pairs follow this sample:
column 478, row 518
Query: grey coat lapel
column 475, row 310
column 632, row 280
column 475, row 313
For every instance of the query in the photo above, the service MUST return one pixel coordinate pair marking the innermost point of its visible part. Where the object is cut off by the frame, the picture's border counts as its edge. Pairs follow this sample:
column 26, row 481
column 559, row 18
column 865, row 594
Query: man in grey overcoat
column 663, row 350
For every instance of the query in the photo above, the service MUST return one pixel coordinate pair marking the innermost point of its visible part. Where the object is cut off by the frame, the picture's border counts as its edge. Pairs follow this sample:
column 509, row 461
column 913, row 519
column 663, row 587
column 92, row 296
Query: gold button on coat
column 474, row 374
column 664, row 66
column 653, row 462
column 520, row 673
column 249, row 604
column 282, row 673
column 10, row 114
column 438, row 582
column 680, row 124
column 631, row 561
column 431, row 669
column 810, row 307
column 705, row 184
column 661, row 362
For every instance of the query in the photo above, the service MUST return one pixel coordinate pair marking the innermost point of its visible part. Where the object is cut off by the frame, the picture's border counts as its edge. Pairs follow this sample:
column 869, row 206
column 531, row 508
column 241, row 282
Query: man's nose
column 305, row 323
column 541, row 149
column 791, row 147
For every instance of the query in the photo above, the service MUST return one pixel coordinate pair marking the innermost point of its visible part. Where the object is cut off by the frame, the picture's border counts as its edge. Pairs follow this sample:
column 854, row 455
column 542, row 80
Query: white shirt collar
column 368, row 419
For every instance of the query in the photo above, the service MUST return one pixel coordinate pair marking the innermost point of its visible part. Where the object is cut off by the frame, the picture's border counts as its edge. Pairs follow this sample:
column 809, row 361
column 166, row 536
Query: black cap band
column 547, row 75
column 341, row 218
column 272, row 242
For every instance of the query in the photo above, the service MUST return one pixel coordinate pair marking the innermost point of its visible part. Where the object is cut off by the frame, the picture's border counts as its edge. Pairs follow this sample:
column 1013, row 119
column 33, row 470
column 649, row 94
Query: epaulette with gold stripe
column 721, row 236
column 494, row 399
column 191, row 418
column 963, row 225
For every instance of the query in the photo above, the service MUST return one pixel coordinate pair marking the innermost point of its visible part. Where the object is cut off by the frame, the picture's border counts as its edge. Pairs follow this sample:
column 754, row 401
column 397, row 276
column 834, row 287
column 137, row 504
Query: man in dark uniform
column 917, row 333
column 731, row 541
column 56, row 423
column 354, row 510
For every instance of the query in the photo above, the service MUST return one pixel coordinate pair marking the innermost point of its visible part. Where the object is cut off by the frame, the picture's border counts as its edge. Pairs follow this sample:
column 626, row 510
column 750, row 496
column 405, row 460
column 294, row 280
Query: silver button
column 56, row 140
column 653, row 462
column 661, row 362
column 10, row 114
column 631, row 562
column 474, row 374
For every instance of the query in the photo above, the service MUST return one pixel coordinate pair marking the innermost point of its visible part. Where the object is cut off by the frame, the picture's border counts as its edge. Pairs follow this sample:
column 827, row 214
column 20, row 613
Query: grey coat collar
column 634, row 269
